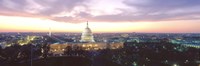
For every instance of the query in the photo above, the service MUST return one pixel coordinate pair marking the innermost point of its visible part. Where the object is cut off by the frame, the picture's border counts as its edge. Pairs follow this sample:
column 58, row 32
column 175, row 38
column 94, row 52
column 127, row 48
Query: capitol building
column 87, row 35
column 87, row 42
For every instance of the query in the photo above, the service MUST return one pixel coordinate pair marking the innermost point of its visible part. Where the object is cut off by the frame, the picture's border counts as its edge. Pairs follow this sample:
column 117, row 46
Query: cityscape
column 99, row 33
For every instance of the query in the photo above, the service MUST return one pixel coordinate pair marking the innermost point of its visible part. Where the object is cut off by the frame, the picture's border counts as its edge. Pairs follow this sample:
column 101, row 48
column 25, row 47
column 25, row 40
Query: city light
column 99, row 32
column 175, row 65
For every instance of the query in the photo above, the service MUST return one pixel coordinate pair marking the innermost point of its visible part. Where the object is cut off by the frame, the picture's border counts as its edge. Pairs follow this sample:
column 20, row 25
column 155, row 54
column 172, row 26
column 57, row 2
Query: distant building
column 49, row 32
column 187, row 42
column 60, row 48
column 87, row 35
column 86, row 43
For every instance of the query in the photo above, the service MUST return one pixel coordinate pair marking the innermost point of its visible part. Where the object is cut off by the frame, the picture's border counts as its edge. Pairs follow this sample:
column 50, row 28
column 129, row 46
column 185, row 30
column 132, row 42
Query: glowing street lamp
column 175, row 65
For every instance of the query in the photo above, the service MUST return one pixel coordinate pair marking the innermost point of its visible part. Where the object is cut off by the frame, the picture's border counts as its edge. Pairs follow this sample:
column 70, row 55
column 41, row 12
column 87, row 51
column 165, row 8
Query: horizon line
column 104, row 32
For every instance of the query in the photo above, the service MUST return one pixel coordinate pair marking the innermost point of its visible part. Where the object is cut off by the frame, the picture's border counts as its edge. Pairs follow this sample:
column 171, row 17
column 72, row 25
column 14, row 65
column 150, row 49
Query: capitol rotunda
column 87, row 35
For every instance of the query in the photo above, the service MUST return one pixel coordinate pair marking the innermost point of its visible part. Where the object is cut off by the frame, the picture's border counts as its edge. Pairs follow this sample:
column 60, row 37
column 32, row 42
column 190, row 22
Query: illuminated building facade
column 60, row 48
column 87, row 35
column 86, row 43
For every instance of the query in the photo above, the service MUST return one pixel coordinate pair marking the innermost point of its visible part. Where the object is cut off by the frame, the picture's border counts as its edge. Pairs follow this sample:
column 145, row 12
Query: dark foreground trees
column 135, row 54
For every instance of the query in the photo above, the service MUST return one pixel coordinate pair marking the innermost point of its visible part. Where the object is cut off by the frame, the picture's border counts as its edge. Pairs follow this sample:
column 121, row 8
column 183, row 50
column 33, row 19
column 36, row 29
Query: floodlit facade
column 86, row 43
column 87, row 35
column 60, row 48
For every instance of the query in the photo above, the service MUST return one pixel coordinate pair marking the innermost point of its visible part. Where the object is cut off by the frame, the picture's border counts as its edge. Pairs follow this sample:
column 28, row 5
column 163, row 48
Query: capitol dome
column 87, row 35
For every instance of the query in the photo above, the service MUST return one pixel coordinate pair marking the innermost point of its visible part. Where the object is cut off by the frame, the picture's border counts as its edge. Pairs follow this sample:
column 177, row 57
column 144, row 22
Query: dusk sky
column 149, row 16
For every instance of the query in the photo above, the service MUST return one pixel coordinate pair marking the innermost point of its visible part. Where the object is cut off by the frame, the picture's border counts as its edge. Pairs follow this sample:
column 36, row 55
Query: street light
column 175, row 65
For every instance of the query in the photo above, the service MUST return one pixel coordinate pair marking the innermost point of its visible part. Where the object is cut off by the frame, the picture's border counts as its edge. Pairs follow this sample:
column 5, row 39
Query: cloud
column 104, row 10
column 162, row 4
column 165, row 9
column 156, row 10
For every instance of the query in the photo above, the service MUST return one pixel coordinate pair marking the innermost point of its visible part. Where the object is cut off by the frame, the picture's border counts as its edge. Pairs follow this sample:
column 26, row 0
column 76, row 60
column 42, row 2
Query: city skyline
column 152, row 16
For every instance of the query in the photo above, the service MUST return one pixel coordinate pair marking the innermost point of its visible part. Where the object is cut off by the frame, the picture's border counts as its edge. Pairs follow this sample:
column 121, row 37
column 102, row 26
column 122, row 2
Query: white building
column 87, row 35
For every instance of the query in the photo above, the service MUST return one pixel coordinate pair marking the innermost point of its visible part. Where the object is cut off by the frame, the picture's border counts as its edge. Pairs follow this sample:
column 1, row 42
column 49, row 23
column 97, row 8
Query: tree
column 68, row 50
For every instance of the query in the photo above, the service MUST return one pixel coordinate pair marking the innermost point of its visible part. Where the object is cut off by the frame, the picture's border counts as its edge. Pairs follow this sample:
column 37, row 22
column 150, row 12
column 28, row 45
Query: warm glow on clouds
column 25, row 24
column 104, row 15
